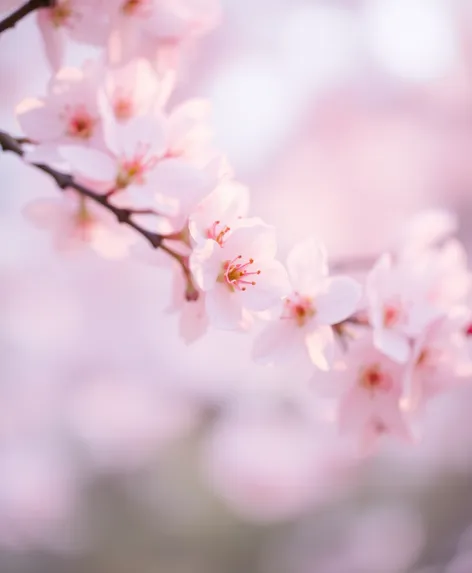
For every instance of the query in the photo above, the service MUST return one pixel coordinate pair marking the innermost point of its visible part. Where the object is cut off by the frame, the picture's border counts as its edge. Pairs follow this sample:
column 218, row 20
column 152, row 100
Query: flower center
column 392, row 314
column 83, row 220
column 123, row 107
column 81, row 124
column 61, row 13
column 237, row 274
column 132, row 171
column 217, row 232
column 373, row 378
column 299, row 308
column 136, row 7
column 429, row 358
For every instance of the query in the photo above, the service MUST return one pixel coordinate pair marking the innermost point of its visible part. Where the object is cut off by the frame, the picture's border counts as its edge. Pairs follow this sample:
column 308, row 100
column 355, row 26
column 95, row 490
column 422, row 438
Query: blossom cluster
column 387, row 342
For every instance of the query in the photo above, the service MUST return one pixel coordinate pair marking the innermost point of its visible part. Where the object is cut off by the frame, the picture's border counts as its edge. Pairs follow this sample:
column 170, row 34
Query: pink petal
column 320, row 344
column 228, row 202
column 38, row 120
column 280, row 340
column 252, row 238
column 206, row 264
column 43, row 153
column 338, row 300
column 45, row 213
column 193, row 322
column 224, row 308
column 130, row 138
column 271, row 285
column 54, row 39
column 307, row 265
column 90, row 163
column 178, row 179
column 394, row 344
column 186, row 117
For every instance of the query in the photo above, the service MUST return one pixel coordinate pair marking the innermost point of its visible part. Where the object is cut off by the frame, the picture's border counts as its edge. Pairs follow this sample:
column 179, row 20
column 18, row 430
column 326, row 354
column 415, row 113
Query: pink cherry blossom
column 134, row 150
column 76, row 222
column 145, row 27
column 69, row 113
column 214, row 216
column 445, row 273
column 192, row 166
column 370, row 404
column 316, row 303
column 135, row 89
column 398, row 305
column 78, row 19
column 240, row 274
column 440, row 359
column 149, row 158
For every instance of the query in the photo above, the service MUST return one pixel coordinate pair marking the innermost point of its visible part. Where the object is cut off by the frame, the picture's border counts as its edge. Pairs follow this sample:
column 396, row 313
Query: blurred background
column 122, row 450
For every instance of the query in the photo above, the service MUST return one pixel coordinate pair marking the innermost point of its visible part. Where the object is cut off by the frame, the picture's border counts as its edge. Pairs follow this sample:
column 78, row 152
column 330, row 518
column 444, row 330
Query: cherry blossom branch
column 125, row 216
column 30, row 6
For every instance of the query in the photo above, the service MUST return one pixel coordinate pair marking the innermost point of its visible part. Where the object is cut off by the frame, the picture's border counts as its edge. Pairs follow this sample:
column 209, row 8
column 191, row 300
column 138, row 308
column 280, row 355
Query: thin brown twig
column 28, row 7
column 123, row 215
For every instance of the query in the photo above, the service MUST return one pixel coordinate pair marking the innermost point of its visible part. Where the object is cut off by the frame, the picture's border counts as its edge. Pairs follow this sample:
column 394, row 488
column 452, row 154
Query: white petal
column 89, row 163
column 320, row 344
column 224, row 308
column 307, row 265
column 338, row 300
column 394, row 344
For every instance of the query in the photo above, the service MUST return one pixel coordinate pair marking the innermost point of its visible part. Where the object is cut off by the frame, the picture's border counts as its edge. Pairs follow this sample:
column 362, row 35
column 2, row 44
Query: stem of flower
column 28, row 7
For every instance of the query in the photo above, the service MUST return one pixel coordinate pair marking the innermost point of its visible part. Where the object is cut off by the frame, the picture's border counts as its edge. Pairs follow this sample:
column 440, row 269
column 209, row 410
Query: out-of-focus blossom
column 76, row 222
column 440, row 359
column 370, row 404
column 239, row 274
column 398, row 306
column 127, row 169
column 69, row 113
column 151, row 162
column 316, row 303
column 136, row 89
column 81, row 20
column 214, row 216
column 148, row 27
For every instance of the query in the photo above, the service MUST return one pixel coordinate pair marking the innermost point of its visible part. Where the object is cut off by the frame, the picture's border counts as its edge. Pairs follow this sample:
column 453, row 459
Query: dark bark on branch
column 124, row 216
column 30, row 6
